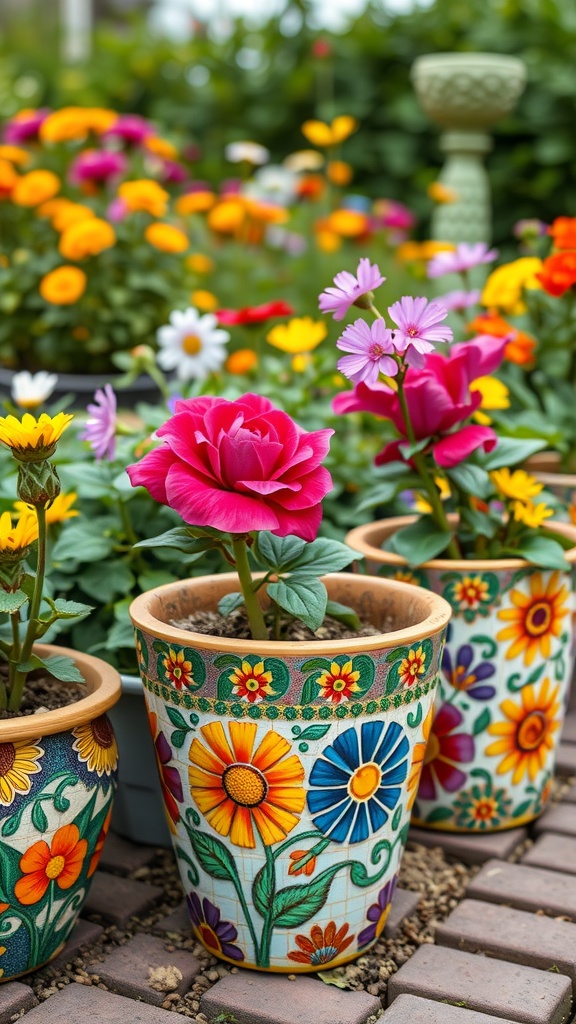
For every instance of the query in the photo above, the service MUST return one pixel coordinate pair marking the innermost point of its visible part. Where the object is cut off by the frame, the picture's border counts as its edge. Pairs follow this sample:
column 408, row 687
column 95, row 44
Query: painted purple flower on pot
column 100, row 429
column 464, row 257
column 378, row 914
column 216, row 935
column 444, row 752
column 419, row 327
column 170, row 781
column 349, row 288
column 462, row 675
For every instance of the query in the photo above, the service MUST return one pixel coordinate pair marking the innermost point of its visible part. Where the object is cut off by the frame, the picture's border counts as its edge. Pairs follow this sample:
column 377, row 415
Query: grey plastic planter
column 139, row 808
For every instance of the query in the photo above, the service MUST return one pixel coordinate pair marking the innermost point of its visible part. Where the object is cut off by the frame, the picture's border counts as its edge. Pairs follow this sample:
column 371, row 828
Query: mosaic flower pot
column 289, row 769
column 57, row 781
column 545, row 466
column 506, row 670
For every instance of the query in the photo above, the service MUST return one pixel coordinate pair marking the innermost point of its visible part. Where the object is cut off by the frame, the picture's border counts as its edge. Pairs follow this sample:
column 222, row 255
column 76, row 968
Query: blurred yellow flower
column 242, row 361
column 495, row 395
column 267, row 213
column 503, row 289
column 194, row 202
column 71, row 123
column 35, row 188
column 327, row 241
column 16, row 538
column 87, row 238
column 304, row 160
column 301, row 334
column 30, row 435
column 63, row 286
column 339, row 172
column 300, row 363
column 518, row 484
column 15, row 155
column 421, row 503
column 204, row 300
column 347, row 223
column 227, row 216
column 166, row 237
column 60, row 509
column 8, row 177
column 64, row 213
column 321, row 134
column 440, row 193
column 531, row 514
column 160, row 147
column 144, row 195
column 199, row 263
column 412, row 252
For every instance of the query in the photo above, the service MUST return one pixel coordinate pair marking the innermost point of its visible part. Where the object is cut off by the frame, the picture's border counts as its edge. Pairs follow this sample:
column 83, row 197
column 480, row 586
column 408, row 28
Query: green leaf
column 214, row 856
column 39, row 819
column 82, row 543
column 180, row 538
column 510, row 451
column 227, row 661
column 471, row 479
column 69, row 609
column 278, row 553
column 88, row 479
column 397, row 818
column 323, row 556
column 178, row 738
column 381, row 494
column 104, row 581
column 263, row 888
column 11, row 602
column 230, row 602
column 439, row 814
column 177, row 718
column 314, row 664
column 296, row 904
column 313, row 732
column 420, row 541
column 342, row 613
column 541, row 551
column 58, row 665
column 408, row 450
column 481, row 723
column 304, row 597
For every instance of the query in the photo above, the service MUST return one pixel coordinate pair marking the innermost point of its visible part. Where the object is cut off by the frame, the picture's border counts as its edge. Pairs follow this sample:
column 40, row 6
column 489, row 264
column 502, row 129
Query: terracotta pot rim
column 365, row 540
column 104, row 690
column 436, row 614
column 484, row 58
column 551, row 474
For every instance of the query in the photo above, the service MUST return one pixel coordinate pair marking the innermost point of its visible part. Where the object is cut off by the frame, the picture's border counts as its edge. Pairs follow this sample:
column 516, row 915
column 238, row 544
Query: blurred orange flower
column 63, row 286
column 35, row 187
column 166, row 237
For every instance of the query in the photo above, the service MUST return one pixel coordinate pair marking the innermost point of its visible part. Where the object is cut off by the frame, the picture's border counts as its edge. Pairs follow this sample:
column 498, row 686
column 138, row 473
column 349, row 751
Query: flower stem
column 20, row 677
column 253, row 609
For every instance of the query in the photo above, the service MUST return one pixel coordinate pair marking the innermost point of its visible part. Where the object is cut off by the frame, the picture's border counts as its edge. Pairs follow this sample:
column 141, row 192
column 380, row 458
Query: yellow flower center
column 55, row 866
column 531, row 731
column 432, row 749
column 191, row 345
column 252, row 684
column 338, row 685
column 365, row 781
column 484, row 810
column 244, row 784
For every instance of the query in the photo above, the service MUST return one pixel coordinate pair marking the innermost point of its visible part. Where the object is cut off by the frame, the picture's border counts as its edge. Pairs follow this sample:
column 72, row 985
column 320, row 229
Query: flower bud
column 364, row 301
column 38, row 483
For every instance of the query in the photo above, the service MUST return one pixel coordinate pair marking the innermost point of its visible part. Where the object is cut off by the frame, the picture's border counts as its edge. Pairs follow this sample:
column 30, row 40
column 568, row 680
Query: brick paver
column 506, row 990
column 250, row 997
column 404, row 904
column 125, row 857
column 525, row 888
column 569, row 796
column 514, row 935
column 414, row 1010
column 177, row 921
column 118, row 899
column 14, row 997
column 84, row 934
column 561, row 818
column 566, row 759
column 77, row 1004
column 569, row 729
column 471, row 849
column 126, row 970
column 554, row 852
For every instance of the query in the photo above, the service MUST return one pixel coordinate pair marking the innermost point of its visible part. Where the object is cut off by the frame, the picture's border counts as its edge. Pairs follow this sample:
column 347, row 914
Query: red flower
column 558, row 272
column 253, row 314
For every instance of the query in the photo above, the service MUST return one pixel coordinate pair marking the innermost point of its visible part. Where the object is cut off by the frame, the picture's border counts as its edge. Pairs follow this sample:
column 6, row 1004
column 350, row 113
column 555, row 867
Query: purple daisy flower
column 216, row 935
column 100, row 429
column 460, row 300
column 419, row 327
column 349, row 288
column 378, row 914
column 464, row 257
column 462, row 676
column 371, row 347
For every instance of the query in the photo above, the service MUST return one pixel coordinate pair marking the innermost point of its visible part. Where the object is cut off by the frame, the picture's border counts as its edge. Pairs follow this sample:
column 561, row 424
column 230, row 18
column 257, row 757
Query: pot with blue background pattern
column 289, row 769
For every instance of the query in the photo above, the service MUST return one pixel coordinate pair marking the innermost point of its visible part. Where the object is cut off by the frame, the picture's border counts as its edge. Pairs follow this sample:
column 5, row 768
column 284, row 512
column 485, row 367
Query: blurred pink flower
column 372, row 347
column 419, row 327
column 131, row 128
column 238, row 466
column 100, row 429
column 97, row 165
column 23, row 128
column 349, row 288
column 464, row 257
column 460, row 300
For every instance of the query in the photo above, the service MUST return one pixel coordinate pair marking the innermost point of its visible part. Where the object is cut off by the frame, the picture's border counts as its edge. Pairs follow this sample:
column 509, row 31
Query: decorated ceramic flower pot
column 545, row 466
column 57, row 781
column 505, row 674
column 289, row 769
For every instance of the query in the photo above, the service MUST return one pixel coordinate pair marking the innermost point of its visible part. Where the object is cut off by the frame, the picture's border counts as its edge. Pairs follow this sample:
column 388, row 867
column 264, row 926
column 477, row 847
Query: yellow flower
column 227, row 216
column 304, row 160
column 30, row 435
column 195, row 202
column 440, row 193
column 531, row 514
column 518, row 485
column 72, row 123
column 198, row 263
column 339, row 172
column 8, row 177
column 412, row 252
column 421, row 503
column 35, row 188
column 87, row 238
column 63, row 213
column 144, row 195
column 525, row 737
column 268, row 213
column 503, row 289
column 535, row 618
column 301, row 363
column 63, row 286
column 495, row 395
column 166, row 238
column 14, row 154
column 347, row 223
column 302, row 334
column 16, row 538
column 321, row 134
column 242, row 361
column 328, row 241
column 160, row 147
column 204, row 300
column 60, row 509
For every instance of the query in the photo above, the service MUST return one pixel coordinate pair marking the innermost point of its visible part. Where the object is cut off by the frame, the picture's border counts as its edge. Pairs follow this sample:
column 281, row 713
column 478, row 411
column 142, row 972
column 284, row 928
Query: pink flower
column 463, row 258
column 238, row 466
column 450, row 749
column 97, row 165
column 419, row 327
column 131, row 128
column 460, row 300
column 24, row 127
column 438, row 399
column 173, row 173
column 372, row 348
column 100, row 429
column 349, row 288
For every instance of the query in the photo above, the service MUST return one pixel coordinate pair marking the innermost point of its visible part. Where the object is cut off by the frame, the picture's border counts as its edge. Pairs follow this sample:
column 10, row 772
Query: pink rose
column 237, row 467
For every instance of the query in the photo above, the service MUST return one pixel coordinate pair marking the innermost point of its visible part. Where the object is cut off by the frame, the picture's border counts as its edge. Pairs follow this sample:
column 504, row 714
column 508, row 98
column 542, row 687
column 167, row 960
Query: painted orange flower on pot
column 99, row 845
column 418, row 760
column 252, row 682
column 338, row 682
column 324, row 945
column 178, row 669
column 237, row 787
column 527, row 735
column 412, row 666
column 61, row 862
column 536, row 617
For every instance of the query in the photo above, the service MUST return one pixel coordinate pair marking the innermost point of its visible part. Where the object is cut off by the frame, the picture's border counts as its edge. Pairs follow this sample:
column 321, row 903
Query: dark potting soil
column 235, row 626
column 44, row 693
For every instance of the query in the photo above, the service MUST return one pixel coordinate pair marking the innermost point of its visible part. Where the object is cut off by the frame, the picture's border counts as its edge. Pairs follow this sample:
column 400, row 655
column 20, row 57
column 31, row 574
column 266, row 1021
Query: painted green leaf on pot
column 522, row 809
column 141, row 651
column 296, row 904
column 397, row 818
column 181, row 667
column 411, row 667
column 481, row 723
column 254, row 679
column 439, row 814
column 263, row 888
column 338, row 679
column 213, row 856
column 471, row 593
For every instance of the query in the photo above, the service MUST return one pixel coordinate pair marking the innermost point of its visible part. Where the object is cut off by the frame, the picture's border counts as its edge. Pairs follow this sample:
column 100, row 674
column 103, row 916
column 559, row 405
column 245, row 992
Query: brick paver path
column 505, row 955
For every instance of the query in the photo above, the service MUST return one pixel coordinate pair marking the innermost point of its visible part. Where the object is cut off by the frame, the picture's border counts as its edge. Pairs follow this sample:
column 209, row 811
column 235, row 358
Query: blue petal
column 389, row 797
column 334, row 825
column 320, row 799
column 346, row 747
column 393, row 748
column 397, row 773
column 326, row 774
column 378, row 816
column 361, row 829
column 371, row 733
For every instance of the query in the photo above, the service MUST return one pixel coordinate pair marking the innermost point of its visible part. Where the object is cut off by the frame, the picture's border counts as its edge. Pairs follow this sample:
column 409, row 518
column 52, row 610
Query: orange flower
column 160, row 147
column 440, row 193
column 8, row 178
column 347, row 223
column 418, row 760
column 227, row 216
column 323, row 945
column 166, row 238
column 99, row 845
column 195, row 202
column 63, row 213
column 296, row 867
column 242, row 361
column 339, row 172
column 71, row 123
column 328, row 241
column 63, row 286
column 35, row 188
column 563, row 231
column 87, row 238
column 144, row 195
column 526, row 736
column 14, row 154
column 321, row 134
column 558, row 272
column 41, row 864
column 198, row 263
column 204, row 300
column 536, row 617
column 311, row 186
column 520, row 348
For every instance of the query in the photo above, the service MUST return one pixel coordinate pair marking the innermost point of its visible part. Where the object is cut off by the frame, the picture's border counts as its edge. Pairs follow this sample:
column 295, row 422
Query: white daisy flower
column 193, row 345
column 32, row 389
column 252, row 152
column 273, row 184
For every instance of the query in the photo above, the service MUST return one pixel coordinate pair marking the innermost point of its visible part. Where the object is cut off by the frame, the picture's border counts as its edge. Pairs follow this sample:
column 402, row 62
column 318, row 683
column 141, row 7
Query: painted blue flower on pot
column 462, row 675
column 356, row 782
